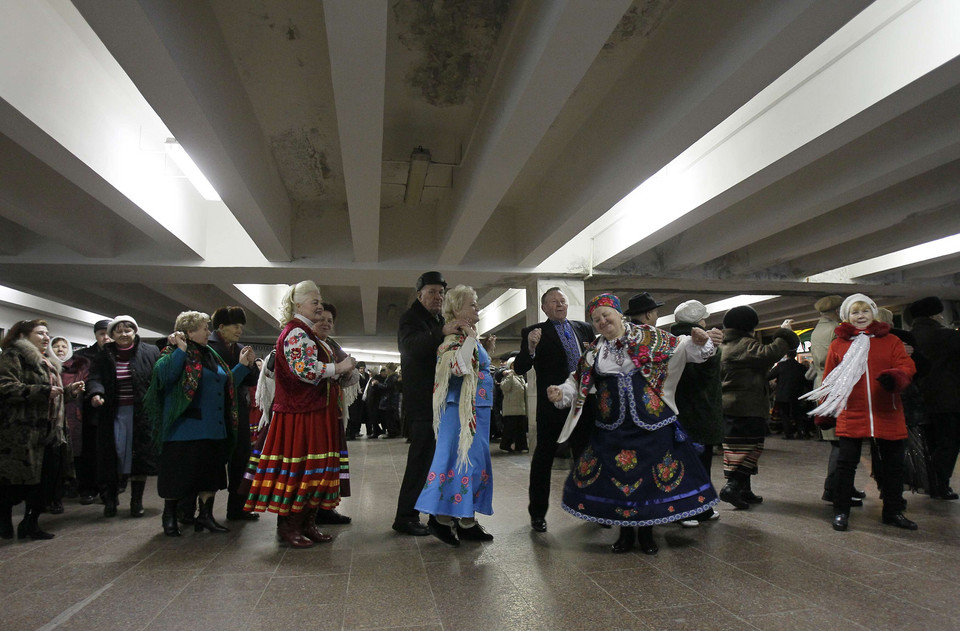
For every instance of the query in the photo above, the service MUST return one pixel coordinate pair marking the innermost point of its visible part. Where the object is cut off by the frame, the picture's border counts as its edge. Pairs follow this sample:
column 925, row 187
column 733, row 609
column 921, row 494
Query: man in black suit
column 552, row 348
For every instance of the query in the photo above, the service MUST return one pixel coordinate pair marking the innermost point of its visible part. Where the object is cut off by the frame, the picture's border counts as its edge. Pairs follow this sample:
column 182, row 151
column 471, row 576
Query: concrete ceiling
column 539, row 116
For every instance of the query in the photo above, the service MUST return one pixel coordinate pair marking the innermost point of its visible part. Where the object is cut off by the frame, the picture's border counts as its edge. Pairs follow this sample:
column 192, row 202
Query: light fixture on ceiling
column 191, row 170
column 417, row 176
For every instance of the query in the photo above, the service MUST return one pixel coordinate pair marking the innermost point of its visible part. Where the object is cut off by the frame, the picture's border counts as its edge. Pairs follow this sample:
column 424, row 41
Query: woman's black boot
column 205, row 518
column 29, row 526
column 6, row 521
column 136, row 497
column 628, row 536
column 645, row 539
column 169, row 518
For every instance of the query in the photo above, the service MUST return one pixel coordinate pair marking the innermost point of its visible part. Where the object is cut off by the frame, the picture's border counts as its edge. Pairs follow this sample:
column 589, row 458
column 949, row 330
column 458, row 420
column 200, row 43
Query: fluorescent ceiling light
column 946, row 246
column 192, row 172
column 722, row 305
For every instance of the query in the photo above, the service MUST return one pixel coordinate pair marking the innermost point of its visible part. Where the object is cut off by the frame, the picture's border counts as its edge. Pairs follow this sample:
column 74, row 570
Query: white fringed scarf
column 837, row 386
column 468, row 392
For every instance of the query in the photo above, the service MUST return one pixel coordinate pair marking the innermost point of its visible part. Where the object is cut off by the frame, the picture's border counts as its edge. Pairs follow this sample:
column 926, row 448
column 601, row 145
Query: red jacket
column 871, row 410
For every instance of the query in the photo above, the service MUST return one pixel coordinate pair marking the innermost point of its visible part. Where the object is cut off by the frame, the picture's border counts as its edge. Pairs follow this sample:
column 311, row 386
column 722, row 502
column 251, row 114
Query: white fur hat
column 691, row 312
column 849, row 300
column 121, row 318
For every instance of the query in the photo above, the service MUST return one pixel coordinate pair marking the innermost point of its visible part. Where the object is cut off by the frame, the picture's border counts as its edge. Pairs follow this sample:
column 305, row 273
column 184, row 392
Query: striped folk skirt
column 301, row 465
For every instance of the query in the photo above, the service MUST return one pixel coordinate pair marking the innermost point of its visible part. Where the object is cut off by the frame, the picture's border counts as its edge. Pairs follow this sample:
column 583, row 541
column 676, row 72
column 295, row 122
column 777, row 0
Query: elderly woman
column 32, row 428
column 119, row 378
column 640, row 468
column 299, row 468
column 73, row 369
column 460, row 481
column 514, row 390
column 866, row 370
column 193, row 403
column 348, row 389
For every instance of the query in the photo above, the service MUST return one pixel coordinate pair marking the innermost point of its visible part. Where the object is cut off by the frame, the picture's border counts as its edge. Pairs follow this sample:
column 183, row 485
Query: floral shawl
column 468, row 391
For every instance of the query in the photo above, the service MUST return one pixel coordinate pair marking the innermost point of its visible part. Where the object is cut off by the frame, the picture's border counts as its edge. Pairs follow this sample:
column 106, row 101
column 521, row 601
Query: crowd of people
column 639, row 410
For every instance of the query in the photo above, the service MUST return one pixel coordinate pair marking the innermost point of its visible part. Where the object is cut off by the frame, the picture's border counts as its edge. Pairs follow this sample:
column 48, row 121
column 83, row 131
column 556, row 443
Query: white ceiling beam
column 357, row 41
column 175, row 54
column 369, row 299
column 548, row 52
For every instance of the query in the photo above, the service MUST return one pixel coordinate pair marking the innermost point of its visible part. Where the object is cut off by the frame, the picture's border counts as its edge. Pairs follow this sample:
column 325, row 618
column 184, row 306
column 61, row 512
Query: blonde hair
column 454, row 299
column 294, row 295
column 189, row 321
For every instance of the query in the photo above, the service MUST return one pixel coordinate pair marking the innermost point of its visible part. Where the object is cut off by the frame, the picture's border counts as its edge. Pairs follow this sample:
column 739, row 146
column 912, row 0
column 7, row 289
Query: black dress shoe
column 474, row 533
column 624, row 544
column 539, row 525
column 899, row 521
column 946, row 493
column 860, row 495
column 242, row 516
column 445, row 533
column 840, row 521
column 645, row 540
column 86, row 500
column 331, row 517
column 412, row 528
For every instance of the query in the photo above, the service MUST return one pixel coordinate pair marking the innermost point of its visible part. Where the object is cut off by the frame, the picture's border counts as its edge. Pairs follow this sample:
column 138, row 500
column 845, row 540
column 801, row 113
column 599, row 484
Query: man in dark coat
column 792, row 382
column 86, row 460
column 356, row 410
column 940, row 388
column 698, row 397
column 227, row 326
column 552, row 349
column 420, row 333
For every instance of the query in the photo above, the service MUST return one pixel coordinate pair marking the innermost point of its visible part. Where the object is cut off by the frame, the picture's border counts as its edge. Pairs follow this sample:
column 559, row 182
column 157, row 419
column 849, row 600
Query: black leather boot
column 731, row 493
column 29, row 526
column 205, row 518
column 645, row 539
column 136, row 497
column 6, row 521
column 110, row 502
column 169, row 519
column 747, row 494
column 628, row 535
column 187, row 509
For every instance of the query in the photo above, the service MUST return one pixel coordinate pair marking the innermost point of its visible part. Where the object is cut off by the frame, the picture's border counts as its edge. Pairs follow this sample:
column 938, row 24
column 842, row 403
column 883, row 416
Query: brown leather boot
column 288, row 531
column 308, row 527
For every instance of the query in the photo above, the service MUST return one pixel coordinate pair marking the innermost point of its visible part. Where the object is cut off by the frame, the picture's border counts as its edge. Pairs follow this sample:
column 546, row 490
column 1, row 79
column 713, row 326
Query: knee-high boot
column 169, row 518
column 205, row 518
column 136, row 497
column 732, row 492
column 288, row 531
column 308, row 527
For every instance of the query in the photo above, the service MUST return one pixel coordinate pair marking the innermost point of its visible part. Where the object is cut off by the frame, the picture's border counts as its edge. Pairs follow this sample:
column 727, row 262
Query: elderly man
column 552, row 348
column 940, row 387
column 85, row 462
column 643, row 309
column 421, row 331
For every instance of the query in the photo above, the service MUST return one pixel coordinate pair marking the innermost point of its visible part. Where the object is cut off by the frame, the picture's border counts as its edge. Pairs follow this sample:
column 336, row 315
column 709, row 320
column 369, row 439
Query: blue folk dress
column 458, row 486
column 640, row 468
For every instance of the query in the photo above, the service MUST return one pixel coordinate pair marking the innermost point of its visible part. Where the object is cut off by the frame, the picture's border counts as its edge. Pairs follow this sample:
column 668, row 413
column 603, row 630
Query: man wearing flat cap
column 643, row 309
column 552, row 348
column 420, row 332
column 940, row 387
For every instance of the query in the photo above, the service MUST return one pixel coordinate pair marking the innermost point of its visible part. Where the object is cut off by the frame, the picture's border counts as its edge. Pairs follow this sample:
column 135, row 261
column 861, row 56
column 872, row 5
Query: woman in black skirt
column 193, row 404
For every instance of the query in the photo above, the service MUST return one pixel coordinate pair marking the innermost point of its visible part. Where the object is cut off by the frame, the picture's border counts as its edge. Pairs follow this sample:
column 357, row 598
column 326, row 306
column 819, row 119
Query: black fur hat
column 743, row 318
column 926, row 307
column 227, row 316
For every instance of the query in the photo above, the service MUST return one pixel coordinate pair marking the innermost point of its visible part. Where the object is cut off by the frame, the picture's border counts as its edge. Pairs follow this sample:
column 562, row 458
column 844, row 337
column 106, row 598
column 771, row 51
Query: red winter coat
column 871, row 410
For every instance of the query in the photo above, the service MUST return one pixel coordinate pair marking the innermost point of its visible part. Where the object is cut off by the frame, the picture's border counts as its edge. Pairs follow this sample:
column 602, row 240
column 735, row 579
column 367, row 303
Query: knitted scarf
column 468, row 392
column 183, row 393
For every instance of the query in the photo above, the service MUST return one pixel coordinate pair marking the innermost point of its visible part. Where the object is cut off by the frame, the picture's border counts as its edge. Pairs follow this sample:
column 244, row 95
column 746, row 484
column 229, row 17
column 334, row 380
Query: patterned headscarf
column 604, row 300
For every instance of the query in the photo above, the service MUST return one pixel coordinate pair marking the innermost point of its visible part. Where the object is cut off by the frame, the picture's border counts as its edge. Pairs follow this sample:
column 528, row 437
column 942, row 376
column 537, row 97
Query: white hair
column 294, row 295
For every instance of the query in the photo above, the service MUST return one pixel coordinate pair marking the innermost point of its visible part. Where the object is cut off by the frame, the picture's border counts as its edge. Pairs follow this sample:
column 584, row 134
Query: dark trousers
column 355, row 413
column 236, row 467
column 422, row 445
column 889, row 457
column 945, row 447
column 791, row 416
column 389, row 421
column 541, row 464
column 85, row 462
column 514, row 433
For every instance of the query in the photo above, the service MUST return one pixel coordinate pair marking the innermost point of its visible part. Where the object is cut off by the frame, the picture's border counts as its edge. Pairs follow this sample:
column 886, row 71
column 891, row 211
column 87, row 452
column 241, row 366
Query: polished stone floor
column 776, row 566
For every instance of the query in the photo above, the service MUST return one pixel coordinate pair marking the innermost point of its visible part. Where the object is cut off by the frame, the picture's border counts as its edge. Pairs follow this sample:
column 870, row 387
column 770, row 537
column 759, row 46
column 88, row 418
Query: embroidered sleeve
column 301, row 355
column 698, row 354
column 462, row 361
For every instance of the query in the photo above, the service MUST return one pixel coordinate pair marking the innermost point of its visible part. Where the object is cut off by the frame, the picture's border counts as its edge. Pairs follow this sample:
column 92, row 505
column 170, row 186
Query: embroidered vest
column 293, row 395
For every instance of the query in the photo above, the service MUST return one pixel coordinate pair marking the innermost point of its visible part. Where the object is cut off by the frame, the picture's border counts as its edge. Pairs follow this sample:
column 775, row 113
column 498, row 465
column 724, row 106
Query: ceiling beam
column 547, row 53
column 357, row 41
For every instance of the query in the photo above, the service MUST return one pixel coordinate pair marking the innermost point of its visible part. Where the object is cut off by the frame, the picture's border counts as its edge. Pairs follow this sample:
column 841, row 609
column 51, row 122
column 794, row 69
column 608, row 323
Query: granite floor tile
column 651, row 589
column 815, row 619
column 692, row 619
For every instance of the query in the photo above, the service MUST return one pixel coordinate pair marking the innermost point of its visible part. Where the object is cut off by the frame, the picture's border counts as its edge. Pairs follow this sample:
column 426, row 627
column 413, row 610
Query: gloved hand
column 887, row 382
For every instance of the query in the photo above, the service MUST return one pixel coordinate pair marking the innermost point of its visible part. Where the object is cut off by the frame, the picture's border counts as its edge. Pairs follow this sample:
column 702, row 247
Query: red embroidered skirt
column 301, row 464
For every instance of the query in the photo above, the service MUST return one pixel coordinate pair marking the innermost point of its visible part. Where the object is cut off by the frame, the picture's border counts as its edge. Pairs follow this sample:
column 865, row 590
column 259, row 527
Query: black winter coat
column 941, row 346
column 103, row 381
column 698, row 396
column 418, row 337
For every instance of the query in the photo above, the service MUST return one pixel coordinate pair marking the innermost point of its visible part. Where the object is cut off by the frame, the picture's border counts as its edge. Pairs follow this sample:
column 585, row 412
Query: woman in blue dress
column 460, row 482
column 640, row 468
